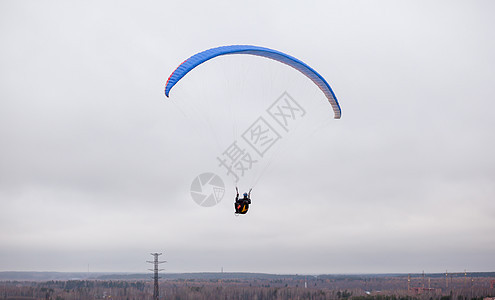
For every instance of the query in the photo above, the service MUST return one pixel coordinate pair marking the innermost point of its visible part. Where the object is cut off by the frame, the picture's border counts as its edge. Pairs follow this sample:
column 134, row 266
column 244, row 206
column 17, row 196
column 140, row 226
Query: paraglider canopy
column 199, row 58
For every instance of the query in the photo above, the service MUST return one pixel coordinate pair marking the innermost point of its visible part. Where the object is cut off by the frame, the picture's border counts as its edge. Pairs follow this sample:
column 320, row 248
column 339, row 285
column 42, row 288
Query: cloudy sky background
column 96, row 164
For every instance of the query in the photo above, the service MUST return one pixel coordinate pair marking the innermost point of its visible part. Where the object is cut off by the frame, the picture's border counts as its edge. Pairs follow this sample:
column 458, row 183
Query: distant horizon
column 66, row 276
column 164, row 272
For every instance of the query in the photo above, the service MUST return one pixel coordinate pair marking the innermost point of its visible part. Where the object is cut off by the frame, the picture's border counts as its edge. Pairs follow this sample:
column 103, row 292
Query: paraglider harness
column 242, row 205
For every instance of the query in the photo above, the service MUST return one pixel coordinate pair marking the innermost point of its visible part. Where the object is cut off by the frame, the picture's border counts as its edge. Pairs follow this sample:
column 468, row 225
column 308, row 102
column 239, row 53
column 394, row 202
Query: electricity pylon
column 155, row 273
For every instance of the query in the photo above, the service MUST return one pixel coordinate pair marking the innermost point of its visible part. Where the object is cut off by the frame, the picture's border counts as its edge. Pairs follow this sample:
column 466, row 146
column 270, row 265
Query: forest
column 259, row 286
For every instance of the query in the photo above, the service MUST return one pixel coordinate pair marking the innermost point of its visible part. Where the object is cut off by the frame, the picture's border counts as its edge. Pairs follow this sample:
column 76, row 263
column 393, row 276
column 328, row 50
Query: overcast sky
column 96, row 164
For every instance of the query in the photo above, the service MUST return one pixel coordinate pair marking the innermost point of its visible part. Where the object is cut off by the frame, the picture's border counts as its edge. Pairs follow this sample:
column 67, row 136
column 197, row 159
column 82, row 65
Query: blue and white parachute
column 199, row 58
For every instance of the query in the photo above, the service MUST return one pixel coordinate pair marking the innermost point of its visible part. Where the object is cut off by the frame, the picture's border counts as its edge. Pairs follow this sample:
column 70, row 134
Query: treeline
column 91, row 284
column 238, row 289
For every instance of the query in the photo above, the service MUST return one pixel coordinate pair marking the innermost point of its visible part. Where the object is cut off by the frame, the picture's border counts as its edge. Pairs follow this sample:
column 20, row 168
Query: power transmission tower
column 155, row 270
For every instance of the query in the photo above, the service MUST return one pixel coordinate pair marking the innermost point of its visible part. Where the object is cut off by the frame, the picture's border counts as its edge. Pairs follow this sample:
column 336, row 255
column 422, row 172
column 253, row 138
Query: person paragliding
column 242, row 204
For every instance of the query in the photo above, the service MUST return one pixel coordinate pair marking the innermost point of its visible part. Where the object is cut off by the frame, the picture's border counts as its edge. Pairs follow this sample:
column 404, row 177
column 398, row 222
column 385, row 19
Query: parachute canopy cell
column 291, row 61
